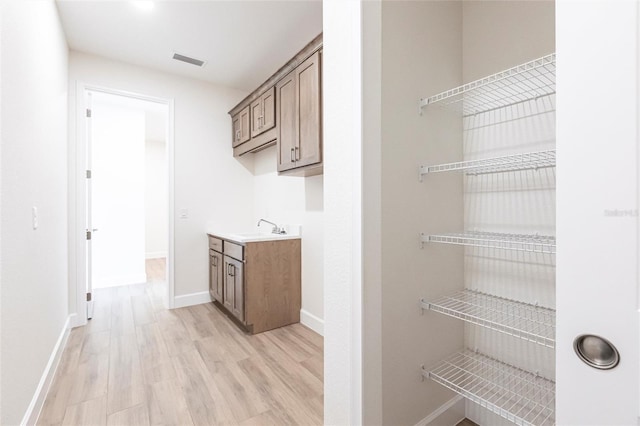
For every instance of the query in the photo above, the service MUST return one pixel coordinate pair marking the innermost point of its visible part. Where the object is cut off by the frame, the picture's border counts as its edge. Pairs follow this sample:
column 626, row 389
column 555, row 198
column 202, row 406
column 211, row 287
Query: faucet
column 276, row 229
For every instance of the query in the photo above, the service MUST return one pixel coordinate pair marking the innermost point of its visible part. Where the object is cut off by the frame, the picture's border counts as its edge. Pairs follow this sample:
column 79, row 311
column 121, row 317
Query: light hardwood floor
column 137, row 363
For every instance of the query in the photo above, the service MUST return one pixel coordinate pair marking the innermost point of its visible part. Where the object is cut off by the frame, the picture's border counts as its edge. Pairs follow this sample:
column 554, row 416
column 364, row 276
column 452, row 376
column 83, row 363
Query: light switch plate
column 184, row 213
column 34, row 217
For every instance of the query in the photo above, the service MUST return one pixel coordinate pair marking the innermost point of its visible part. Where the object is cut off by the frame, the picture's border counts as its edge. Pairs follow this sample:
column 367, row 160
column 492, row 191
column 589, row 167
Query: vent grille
column 192, row 61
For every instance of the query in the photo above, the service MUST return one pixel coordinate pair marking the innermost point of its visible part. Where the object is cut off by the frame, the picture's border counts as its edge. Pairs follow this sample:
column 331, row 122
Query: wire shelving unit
column 519, row 242
column 515, row 394
column 529, row 322
column 515, row 85
column 509, row 163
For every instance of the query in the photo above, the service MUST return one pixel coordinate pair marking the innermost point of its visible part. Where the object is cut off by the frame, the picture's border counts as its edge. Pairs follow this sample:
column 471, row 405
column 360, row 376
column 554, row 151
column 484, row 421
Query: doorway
column 127, row 149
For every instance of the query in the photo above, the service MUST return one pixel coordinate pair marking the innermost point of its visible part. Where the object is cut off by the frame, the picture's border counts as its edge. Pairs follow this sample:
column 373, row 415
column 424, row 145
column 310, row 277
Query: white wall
column 118, row 192
column 216, row 189
column 295, row 201
column 155, row 201
column 421, row 56
column 33, row 173
column 342, row 80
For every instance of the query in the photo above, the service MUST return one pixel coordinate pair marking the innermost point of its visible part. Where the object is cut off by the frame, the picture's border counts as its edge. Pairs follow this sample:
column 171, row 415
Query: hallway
column 137, row 363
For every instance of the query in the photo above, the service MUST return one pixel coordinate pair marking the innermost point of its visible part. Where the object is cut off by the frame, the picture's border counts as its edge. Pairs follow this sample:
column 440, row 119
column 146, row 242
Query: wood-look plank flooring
column 137, row 363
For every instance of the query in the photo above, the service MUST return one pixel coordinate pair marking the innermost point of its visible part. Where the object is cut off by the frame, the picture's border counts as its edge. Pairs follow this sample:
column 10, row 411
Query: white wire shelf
column 525, row 321
column 517, row 395
column 522, row 83
column 518, row 242
column 509, row 163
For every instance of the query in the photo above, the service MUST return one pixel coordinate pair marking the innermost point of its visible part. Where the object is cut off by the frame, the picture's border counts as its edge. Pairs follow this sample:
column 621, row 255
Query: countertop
column 251, row 237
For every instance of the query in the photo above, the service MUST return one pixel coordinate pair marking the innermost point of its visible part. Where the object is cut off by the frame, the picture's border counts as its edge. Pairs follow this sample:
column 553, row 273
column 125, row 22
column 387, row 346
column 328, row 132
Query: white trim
column 77, row 171
column 118, row 280
column 169, row 302
column 311, row 321
column 37, row 402
column 155, row 255
column 191, row 299
column 440, row 411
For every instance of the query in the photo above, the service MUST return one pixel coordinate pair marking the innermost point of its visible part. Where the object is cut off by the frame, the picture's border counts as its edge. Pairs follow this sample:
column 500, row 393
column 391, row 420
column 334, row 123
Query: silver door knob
column 596, row 351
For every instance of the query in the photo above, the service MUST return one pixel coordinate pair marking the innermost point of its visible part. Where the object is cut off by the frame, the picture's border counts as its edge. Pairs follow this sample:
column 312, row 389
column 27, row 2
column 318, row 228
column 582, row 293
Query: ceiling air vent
column 192, row 61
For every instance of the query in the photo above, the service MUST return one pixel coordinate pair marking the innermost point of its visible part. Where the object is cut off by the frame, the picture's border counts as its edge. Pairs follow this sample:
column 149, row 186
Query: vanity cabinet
column 263, row 113
column 258, row 283
column 298, row 112
column 240, row 125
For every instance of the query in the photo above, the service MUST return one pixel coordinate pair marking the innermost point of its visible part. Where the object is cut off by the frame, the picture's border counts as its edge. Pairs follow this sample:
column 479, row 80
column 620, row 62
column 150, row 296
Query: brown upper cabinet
column 263, row 113
column 241, row 127
column 298, row 110
column 286, row 110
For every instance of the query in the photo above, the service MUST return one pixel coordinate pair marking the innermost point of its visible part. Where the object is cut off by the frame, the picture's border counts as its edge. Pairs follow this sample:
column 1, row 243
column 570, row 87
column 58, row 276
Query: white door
column 597, row 216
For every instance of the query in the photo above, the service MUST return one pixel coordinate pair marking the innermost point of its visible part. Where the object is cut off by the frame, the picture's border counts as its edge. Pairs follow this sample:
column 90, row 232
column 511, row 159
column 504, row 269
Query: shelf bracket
column 422, row 372
column 422, row 170
column 421, row 236
column 421, row 104
column 424, row 305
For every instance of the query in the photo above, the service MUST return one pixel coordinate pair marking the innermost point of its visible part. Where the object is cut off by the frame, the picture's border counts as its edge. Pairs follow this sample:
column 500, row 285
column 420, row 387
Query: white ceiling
column 243, row 42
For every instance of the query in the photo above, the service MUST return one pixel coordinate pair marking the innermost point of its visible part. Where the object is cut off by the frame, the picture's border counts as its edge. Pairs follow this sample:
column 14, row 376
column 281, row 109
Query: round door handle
column 596, row 351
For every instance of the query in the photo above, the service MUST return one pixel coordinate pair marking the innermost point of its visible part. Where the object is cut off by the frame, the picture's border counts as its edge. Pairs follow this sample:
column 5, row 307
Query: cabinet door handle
column 297, row 150
column 215, row 262
column 233, row 272
column 291, row 156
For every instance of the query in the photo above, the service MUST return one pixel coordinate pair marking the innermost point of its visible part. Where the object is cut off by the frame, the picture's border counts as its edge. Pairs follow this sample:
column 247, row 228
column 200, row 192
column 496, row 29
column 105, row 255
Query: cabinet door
column 245, row 125
column 237, row 273
column 235, row 137
column 241, row 127
column 268, row 100
column 234, row 287
column 215, row 276
column 229, row 292
column 287, row 121
column 256, row 117
column 309, row 147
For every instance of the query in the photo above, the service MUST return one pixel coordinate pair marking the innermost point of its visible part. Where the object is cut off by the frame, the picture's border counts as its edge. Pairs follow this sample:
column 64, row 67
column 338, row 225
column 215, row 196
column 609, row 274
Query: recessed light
column 145, row 5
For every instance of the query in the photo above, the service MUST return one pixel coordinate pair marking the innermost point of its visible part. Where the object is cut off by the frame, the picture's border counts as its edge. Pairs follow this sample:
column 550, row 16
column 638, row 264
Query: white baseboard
column 155, row 254
column 75, row 320
column 455, row 404
column 312, row 321
column 191, row 299
column 35, row 406
column 116, row 281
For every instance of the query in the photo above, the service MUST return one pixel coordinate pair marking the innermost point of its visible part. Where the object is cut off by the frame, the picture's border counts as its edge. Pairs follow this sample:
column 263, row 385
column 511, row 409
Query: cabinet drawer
column 233, row 250
column 215, row 244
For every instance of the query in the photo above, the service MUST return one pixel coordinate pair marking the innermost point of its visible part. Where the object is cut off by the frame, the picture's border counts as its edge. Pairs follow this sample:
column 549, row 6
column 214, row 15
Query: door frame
column 77, row 211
